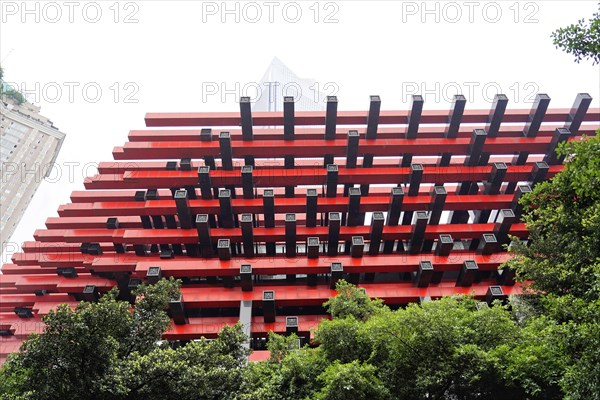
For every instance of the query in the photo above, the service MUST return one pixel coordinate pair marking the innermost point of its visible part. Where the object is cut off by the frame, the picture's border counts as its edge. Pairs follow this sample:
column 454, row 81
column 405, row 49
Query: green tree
column 581, row 39
column 351, row 381
column 351, row 300
column 562, row 259
column 107, row 350
column 563, row 218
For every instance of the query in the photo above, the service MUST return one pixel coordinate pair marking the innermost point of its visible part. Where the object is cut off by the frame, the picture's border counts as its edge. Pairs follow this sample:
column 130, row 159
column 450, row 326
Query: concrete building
column 29, row 145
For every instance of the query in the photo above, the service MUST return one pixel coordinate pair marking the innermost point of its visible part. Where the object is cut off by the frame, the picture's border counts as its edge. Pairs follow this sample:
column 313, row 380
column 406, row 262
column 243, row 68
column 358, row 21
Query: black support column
column 269, row 212
column 330, row 125
column 246, row 119
column 393, row 216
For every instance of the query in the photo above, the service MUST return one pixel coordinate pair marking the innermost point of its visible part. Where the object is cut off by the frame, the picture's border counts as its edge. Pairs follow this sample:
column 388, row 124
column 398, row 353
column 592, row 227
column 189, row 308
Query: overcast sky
column 97, row 67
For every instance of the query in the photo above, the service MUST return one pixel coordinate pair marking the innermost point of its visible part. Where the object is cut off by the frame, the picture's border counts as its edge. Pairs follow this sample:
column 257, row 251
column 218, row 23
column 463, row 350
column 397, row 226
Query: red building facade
column 260, row 214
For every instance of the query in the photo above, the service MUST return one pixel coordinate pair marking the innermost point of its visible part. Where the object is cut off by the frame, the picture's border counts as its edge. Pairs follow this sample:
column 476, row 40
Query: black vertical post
column 372, row 124
column 515, row 206
column 560, row 135
column 538, row 173
column 246, row 277
column 204, row 182
column 330, row 125
column 226, row 152
column 225, row 210
column 418, row 232
column 436, row 207
column 468, row 273
column 578, row 111
column 424, row 274
column 332, row 180
column 203, row 228
column 494, row 120
column 473, row 154
column 488, row 244
column 454, row 120
column 288, row 134
column 177, row 310
column 224, row 249
column 268, row 299
column 312, row 252
column 393, row 215
column 491, row 186
column 456, row 113
column 376, row 233
column 290, row 235
column 183, row 209
column 333, row 237
column 206, row 136
column 415, row 177
column 336, row 272
column 247, row 234
column 269, row 212
column 246, row 120
column 373, row 118
column 311, row 208
column 352, row 149
column 414, row 118
column 356, row 251
column 536, row 115
column 505, row 219
column 496, row 115
column 288, row 117
column 354, row 214
column 247, row 185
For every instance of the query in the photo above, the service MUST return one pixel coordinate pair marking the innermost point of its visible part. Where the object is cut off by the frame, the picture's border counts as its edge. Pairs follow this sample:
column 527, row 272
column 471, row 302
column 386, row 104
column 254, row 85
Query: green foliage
column 199, row 370
column 10, row 92
column 562, row 259
column 15, row 95
column 280, row 346
column 106, row 350
column 581, row 39
column 563, row 218
column 351, row 381
column 354, row 301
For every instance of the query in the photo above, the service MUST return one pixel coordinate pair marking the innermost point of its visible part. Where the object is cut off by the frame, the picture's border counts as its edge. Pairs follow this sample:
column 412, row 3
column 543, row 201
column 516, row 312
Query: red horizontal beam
column 319, row 148
column 90, row 215
column 347, row 117
column 425, row 131
column 313, row 176
column 302, row 295
column 280, row 265
column 157, row 236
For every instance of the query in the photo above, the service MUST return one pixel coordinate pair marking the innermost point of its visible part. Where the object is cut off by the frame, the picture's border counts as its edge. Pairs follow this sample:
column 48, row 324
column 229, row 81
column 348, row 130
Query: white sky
column 171, row 54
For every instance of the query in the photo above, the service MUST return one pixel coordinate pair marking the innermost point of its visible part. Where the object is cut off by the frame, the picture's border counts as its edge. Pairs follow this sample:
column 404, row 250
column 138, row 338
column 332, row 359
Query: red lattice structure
column 260, row 214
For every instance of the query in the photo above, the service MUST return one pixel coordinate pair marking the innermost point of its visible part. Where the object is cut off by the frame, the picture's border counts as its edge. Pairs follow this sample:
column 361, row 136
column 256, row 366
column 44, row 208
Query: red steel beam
column 348, row 117
column 158, row 236
column 313, row 176
column 319, row 148
column 425, row 131
column 88, row 215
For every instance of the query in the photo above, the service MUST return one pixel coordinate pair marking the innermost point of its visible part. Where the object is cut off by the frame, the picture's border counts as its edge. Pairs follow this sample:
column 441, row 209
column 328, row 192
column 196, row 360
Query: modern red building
column 259, row 214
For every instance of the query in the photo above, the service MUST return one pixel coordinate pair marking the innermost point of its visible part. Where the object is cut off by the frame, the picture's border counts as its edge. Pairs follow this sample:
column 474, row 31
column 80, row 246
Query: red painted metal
column 33, row 281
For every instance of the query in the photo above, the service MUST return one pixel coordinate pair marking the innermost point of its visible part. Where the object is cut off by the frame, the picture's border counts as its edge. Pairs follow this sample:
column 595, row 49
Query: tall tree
column 107, row 350
column 581, row 39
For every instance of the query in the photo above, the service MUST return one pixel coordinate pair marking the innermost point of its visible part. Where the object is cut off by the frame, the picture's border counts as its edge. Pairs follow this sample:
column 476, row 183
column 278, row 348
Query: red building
column 260, row 222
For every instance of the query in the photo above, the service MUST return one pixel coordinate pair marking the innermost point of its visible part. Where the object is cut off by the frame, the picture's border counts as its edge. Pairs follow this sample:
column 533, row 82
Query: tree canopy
column 581, row 39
